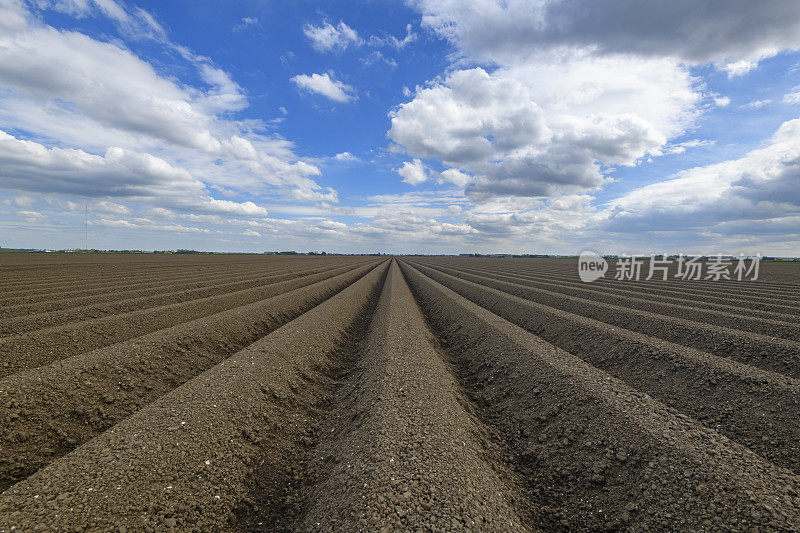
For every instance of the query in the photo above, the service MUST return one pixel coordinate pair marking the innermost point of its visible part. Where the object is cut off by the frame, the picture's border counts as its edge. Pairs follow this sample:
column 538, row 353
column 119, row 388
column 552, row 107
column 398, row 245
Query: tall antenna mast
column 86, row 226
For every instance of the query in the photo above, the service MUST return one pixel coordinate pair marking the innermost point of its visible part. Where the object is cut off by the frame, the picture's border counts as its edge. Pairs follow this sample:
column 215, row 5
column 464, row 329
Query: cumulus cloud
column 326, row 86
column 472, row 116
column 307, row 194
column 27, row 165
column 66, row 89
column 557, row 105
column 411, row 225
column 454, row 176
column 572, row 89
column 328, row 37
column 413, row 172
column 760, row 186
column 32, row 167
column 722, row 101
column 490, row 126
column 127, row 94
column 345, row 156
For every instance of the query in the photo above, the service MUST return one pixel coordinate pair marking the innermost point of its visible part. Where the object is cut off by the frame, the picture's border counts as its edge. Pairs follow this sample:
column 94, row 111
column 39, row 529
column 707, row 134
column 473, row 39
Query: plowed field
column 310, row 393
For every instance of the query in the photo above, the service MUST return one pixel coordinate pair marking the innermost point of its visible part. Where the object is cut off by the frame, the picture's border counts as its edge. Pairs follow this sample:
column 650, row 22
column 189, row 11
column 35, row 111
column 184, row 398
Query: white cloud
column 66, row 89
column 682, row 147
column 245, row 23
column 111, row 207
column 19, row 201
column 376, row 56
column 756, row 104
column 27, row 165
column 326, row 86
column 332, row 227
column 571, row 89
column 315, row 195
column 126, row 93
column 454, row 176
column 490, row 125
column 762, row 185
column 225, row 95
column 147, row 224
column 471, row 116
column 410, row 225
column 792, row 97
column 739, row 68
column 30, row 166
column 345, row 156
column 327, row 37
column 14, row 16
column 227, row 207
column 31, row 216
column 556, row 108
column 721, row 101
column 661, row 91
column 136, row 23
column 428, row 202
column 251, row 233
column 391, row 40
column 413, row 172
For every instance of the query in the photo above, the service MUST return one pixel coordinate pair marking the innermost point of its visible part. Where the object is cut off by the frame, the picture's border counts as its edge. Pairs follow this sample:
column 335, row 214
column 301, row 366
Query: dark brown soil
column 758, row 349
column 271, row 393
column 40, row 347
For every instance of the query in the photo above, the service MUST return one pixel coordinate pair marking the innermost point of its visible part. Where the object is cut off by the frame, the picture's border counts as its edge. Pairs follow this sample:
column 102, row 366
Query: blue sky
column 419, row 126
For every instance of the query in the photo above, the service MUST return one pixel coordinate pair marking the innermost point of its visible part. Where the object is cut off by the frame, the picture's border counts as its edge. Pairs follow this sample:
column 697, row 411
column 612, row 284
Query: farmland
column 337, row 393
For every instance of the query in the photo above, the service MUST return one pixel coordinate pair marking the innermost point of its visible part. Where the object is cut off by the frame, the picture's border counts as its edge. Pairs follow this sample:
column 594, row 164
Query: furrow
column 757, row 408
column 160, row 298
column 400, row 450
column 128, row 291
column 187, row 460
column 69, row 291
column 597, row 454
column 48, row 411
column 761, row 288
column 123, row 267
column 41, row 347
column 769, row 353
column 786, row 329
column 89, row 280
column 741, row 306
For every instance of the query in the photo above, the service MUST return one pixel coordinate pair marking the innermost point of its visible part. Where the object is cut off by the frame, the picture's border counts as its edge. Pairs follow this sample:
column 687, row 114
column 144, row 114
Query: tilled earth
column 303, row 393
